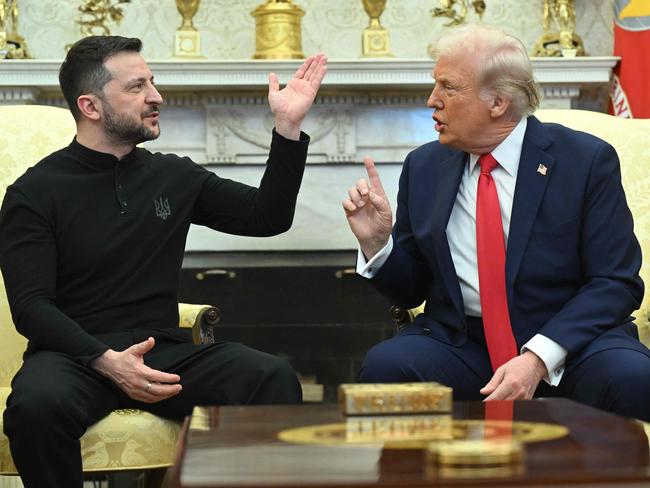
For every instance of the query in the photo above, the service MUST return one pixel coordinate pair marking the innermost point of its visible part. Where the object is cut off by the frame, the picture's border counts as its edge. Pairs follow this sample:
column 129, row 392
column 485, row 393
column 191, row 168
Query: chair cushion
column 125, row 439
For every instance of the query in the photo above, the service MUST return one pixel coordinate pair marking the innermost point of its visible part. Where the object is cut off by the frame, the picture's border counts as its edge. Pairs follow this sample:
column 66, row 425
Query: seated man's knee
column 275, row 381
column 278, row 369
column 38, row 409
column 621, row 381
column 384, row 364
column 630, row 383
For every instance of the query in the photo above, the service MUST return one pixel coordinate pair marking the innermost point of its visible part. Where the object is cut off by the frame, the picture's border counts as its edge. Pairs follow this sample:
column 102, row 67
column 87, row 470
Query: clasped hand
column 127, row 370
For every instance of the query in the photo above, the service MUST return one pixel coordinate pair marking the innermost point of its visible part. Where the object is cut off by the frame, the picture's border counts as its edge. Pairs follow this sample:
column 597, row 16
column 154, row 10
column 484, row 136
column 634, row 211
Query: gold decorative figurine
column 12, row 44
column 277, row 30
column 94, row 14
column 561, row 42
column 187, row 40
column 375, row 42
column 448, row 9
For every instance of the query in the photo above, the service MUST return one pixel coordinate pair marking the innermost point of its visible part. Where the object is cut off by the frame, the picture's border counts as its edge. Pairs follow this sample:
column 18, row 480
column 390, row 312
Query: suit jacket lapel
column 529, row 190
column 447, row 180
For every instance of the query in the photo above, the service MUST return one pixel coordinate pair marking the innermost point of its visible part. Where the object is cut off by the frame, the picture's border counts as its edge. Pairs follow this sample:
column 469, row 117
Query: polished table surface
column 564, row 443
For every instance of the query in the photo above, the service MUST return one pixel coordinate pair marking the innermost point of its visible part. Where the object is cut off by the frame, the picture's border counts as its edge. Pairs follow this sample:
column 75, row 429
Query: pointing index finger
column 373, row 175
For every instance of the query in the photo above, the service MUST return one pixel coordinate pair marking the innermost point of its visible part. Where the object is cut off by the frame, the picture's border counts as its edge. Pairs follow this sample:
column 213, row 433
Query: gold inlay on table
column 417, row 431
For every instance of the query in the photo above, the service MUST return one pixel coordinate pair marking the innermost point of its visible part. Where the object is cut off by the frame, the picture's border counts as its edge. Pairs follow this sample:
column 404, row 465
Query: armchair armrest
column 202, row 319
column 403, row 317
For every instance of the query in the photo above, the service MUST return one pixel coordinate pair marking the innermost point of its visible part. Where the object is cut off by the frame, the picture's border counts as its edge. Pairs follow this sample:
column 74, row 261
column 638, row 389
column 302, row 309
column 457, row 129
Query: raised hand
column 291, row 104
column 368, row 212
column 127, row 370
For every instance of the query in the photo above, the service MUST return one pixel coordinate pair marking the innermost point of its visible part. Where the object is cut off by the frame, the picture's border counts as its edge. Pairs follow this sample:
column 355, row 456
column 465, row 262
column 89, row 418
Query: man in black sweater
column 91, row 244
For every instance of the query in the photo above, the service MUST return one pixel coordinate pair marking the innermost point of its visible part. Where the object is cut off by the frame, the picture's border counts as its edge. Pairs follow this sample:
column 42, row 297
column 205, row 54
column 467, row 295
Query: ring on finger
column 148, row 387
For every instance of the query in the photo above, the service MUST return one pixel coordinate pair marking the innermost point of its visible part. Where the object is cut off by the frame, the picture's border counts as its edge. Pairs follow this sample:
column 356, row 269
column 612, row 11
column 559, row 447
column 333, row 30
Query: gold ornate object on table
column 474, row 458
column 392, row 398
column 12, row 44
column 419, row 430
column 559, row 38
column 277, row 30
column 94, row 14
column 448, row 9
column 375, row 42
column 187, row 39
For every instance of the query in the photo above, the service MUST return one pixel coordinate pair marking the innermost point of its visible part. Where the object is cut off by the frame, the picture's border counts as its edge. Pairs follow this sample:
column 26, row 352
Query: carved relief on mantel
column 237, row 130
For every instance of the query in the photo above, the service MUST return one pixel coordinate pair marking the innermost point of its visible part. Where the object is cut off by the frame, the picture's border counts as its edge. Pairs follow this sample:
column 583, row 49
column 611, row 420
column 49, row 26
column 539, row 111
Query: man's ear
column 499, row 106
column 90, row 106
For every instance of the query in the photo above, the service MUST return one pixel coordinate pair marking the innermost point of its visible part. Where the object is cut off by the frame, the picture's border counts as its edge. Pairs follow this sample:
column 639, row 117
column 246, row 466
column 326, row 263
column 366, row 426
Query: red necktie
column 491, row 252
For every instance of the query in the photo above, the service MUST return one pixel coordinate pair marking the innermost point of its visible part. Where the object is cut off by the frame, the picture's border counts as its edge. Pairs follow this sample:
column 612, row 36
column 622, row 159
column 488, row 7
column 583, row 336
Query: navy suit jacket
column 572, row 260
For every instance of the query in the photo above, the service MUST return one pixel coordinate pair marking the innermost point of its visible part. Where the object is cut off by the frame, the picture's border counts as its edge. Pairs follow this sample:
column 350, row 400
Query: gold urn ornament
column 277, row 30
column 375, row 42
column 187, row 39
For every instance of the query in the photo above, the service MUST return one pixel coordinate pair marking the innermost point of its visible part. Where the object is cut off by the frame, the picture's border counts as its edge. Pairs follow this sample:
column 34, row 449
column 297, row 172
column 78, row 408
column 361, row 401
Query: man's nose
column 434, row 100
column 154, row 96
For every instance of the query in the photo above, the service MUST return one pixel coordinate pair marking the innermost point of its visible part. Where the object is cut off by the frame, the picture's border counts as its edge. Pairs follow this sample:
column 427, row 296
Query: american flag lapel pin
column 542, row 169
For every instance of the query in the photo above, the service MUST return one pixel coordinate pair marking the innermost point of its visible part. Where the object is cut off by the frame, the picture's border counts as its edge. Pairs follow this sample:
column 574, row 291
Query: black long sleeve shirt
column 92, row 245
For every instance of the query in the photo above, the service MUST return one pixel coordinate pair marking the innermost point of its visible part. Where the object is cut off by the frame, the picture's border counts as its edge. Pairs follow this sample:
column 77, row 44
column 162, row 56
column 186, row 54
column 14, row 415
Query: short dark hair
column 83, row 69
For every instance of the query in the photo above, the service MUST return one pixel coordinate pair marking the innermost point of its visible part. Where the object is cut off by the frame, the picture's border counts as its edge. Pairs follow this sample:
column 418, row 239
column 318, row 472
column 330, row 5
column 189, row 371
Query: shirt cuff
column 552, row 355
column 369, row 269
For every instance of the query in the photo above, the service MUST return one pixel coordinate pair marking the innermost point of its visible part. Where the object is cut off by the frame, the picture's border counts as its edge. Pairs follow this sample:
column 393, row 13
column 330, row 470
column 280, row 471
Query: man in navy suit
column 534, row 303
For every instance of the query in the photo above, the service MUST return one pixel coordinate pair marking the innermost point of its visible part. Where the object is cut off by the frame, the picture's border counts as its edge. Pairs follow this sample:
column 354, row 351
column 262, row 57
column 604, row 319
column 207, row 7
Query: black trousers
column 54, row 399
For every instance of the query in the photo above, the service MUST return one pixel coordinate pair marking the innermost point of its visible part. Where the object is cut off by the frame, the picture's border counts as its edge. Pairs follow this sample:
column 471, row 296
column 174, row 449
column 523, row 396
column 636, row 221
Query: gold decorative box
column 394, row 398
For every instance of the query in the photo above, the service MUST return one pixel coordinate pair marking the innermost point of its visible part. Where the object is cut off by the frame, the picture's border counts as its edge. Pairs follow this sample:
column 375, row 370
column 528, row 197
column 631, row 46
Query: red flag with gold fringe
column 630, row 89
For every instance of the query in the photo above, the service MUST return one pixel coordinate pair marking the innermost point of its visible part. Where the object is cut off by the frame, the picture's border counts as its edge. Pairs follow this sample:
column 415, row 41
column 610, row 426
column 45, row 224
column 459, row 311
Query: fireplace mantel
column 38, row 76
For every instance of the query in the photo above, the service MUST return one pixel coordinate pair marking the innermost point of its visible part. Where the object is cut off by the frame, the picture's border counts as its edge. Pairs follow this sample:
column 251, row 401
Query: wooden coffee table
column 565, row 443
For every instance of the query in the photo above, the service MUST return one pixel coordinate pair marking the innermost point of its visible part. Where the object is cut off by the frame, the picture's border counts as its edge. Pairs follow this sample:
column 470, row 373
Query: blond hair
column 502, row 64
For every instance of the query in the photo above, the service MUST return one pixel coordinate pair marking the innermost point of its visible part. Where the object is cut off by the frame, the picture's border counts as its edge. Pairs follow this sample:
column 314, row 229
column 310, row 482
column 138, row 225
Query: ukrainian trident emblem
column 162, row 208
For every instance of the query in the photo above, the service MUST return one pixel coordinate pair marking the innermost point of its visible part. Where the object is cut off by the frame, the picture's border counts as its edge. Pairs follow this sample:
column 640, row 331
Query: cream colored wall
column 331, row 26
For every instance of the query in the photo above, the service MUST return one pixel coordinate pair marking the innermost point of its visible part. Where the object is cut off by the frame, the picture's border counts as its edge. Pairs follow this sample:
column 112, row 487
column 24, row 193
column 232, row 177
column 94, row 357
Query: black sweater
column 91, row 245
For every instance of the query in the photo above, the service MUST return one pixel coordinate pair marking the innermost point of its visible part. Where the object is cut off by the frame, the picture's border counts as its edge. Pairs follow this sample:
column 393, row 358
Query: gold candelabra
column 277, row 30
column 559, row 38
column 12, row 44
column 375, row 42
column 448, row 9
column 187, row 39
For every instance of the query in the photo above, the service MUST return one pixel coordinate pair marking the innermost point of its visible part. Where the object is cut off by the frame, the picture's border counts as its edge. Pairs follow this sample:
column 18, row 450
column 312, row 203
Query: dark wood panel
column 309, row 307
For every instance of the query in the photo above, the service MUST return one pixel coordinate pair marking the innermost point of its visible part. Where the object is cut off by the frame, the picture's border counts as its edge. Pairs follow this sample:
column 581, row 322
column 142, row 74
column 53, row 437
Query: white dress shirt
column 461, row 235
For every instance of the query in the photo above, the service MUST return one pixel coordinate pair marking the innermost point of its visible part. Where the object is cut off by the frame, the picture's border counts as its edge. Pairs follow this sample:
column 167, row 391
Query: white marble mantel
column 216, row 113
column 41, row 74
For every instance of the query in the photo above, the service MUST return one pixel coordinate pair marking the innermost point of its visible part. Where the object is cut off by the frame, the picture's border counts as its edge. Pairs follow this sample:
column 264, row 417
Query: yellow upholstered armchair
column 631, row 139
column 126, row 439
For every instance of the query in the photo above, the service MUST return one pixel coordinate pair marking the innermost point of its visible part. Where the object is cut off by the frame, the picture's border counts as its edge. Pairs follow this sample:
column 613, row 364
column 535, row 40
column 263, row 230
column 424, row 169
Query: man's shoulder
column 44, row 170
column 562, row 136
column 432, row 151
